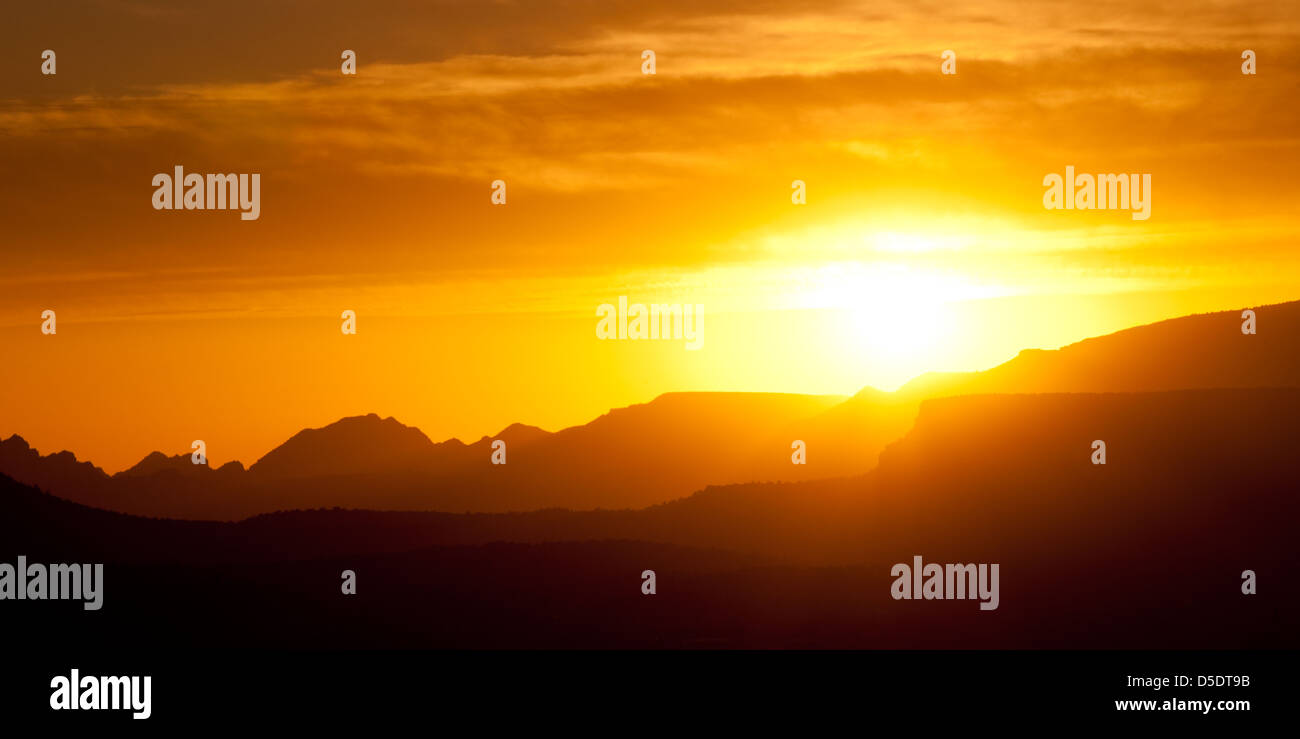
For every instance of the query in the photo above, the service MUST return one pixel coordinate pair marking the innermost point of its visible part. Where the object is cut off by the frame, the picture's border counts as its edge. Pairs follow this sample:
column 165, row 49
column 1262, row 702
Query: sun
column 907, row 243
column 892, row 318
column 899, row 326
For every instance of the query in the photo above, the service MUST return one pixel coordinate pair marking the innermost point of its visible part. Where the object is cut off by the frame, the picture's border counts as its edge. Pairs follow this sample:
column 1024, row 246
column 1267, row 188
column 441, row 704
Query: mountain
column 665, row 449
column 631, row 456
column 350, row 446
column 1200, row 351
column 517, row 435
column 157, row 463
column 1197, row 488
column 60, row 471
column 657, row 451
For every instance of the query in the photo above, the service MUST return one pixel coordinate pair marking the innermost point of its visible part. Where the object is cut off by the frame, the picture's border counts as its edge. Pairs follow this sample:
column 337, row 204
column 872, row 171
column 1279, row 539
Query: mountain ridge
column 665, row 448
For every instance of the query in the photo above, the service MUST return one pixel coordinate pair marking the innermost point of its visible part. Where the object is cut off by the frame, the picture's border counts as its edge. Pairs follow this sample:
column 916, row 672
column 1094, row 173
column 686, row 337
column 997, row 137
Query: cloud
column 610, row 170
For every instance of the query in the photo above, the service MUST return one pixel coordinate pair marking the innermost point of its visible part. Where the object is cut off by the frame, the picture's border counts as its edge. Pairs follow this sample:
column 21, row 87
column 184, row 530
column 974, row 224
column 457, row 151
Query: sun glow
column 892, row 317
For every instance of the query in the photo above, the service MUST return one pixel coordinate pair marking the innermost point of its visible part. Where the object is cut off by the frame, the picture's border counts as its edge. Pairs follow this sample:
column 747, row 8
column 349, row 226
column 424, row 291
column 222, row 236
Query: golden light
column 892, row 317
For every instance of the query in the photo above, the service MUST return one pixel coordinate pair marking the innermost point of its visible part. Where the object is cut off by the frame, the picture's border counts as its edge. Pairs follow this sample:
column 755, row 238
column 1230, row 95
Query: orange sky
column 924, row 244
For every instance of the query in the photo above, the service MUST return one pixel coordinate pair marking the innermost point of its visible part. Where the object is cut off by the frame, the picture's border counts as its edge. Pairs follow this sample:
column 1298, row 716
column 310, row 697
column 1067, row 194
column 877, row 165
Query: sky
column 923, row 243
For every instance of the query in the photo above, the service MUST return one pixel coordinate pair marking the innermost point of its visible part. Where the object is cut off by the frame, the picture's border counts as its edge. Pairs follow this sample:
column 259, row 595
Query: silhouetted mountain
column 665, row 449
column 359, row 445
column 1201, row 351
column 518, row 435
column 1198, row 486
column 845, row 439
column 156, row 463
column 59, row 471
column 647, row 453
column 631, row 456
